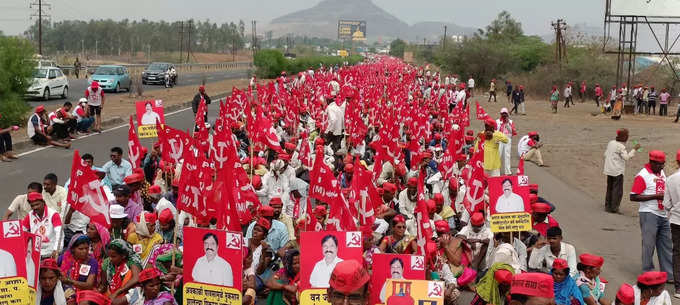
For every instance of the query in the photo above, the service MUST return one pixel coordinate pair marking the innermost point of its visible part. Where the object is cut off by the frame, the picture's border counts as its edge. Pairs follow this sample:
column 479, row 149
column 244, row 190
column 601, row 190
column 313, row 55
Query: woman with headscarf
column 398, row 242
column 566, row 291
column 588, row 281
column 152, row 294
column 99, row 237
column 283, row 285
column 78, row 267
column 145, row 237
column 121, row 270
column 494, row 286
column 51, row 291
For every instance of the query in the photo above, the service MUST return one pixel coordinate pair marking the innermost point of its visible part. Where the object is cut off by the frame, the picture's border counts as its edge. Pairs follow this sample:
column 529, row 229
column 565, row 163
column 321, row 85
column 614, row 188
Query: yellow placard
column 204, row 294
column 146, row 131
column 314, row 297
column 511, row 222
column 343, row 53
column 417, row 291
column 15, row 291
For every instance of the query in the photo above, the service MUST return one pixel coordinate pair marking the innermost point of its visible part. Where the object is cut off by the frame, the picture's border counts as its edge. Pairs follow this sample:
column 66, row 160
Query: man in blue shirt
column 118, row 168
column 278, row 233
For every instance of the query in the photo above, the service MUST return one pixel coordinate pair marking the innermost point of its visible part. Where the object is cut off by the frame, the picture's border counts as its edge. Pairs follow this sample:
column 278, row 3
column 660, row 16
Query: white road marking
column 93, row 134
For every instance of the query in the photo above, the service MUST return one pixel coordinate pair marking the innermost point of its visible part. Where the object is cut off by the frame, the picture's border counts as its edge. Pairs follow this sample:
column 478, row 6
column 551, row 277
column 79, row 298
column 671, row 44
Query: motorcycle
column 170, row 80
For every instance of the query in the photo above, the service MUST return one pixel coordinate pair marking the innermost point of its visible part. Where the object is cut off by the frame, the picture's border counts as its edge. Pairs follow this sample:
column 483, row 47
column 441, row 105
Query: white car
column 48, row 82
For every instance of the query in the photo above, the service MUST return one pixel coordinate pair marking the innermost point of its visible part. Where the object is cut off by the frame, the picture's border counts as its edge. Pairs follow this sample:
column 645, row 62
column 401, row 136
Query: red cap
column 290, row 146
column 677, row 155
column 201, row 88
column 348, row 276
column 165, row 217
column 477, row 219
column 438, row 198
column 265, row 210
column 626, row 294
column 503, row 276
column 431, row 206
column 533, row 133
column 148, row 217
column 652, row 278
column 657, row 155
column 533, row 284
column 320, row 210
column 399, row 219
column 559, row 263
column 134, row 178
column 470, row 133
column 533, row 187
column 264, row 222
column 591, row 260
column 93, row 297
column 40, row 109
column 257, row 181
column 49, row 263
column 442, row 226
column 318, row 141
column 413, row 181
column 275, row 202
column 389, row 187
column 34, row 196
column 540, row 207
column 349, row 168
column 154, row 189
column 284, row 157
column 94, row 84
column 400, row 170
column 490, row 122
column 148, row 273
column 533, row 198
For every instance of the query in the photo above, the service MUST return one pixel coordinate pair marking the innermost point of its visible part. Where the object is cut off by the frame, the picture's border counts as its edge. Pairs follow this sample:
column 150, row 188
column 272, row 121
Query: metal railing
column 134, row 69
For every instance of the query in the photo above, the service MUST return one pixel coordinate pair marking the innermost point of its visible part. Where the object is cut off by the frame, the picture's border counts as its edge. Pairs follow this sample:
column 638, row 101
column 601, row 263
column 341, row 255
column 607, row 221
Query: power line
column 40, row 14
column 560, row 44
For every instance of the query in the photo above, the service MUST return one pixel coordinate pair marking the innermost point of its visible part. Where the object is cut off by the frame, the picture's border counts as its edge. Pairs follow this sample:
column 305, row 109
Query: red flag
column 324, row 187
column 305, row 157
column 481, row 114
column 310, row 219
column 475, row 182
column 189, row 194
column 203, row 133
column 173, row 144
column 86, row 194
column 520, row 167
column 424, row 229
column 453, row 148
column 364, row 194
column 134, row 148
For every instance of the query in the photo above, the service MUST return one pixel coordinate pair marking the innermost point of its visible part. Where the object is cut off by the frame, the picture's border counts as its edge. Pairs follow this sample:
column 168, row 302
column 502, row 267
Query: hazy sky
column 535, row 15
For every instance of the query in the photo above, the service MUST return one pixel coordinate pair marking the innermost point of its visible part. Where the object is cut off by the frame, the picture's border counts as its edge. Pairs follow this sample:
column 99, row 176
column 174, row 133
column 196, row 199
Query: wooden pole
column 174, row 244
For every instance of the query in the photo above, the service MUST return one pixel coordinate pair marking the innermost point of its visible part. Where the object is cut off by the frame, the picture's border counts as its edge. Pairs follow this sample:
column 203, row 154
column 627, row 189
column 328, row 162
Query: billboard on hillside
column 656, row 8
column 352, row 30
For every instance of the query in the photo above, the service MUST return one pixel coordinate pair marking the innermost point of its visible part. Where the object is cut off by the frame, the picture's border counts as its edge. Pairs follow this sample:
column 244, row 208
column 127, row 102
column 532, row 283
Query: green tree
column 16, row 68
column 504, row 27
column 397, row 48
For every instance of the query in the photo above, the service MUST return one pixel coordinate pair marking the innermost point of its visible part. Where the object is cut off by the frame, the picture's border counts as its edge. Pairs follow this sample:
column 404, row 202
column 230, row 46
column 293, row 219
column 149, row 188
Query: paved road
column 78, row 86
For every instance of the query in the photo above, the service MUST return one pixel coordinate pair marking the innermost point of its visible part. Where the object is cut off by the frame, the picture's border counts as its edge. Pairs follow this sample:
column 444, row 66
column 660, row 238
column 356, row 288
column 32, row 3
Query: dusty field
column 575, row 142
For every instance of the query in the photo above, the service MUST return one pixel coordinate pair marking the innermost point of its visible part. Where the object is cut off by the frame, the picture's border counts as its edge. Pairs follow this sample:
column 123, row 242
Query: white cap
column 504, row 110
column 117, row 211
column 82, row 100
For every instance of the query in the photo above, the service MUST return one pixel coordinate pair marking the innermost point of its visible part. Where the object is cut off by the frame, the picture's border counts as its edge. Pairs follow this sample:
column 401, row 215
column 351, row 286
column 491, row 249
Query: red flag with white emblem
column 481, row 114
column 475, row 182
column 324, row 187
column 364, row 194
column 86, row 193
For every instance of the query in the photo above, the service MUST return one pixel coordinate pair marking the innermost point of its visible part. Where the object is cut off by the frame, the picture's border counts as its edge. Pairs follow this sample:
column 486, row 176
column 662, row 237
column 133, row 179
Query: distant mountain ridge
column 321, row 20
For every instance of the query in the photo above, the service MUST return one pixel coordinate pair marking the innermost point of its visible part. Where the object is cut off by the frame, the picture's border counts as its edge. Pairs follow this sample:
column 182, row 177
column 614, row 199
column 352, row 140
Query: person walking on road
column 554, row 98
column 568, row 96
column 598, row 94
column 582, row 91
column 471, row 85
column 507, row 127
column 671, row 203
column 95, row 103
column 508, row 90
column 648, row 189
column 197, row 101
column 492, row 90
column 615, row 158
column 76, row 68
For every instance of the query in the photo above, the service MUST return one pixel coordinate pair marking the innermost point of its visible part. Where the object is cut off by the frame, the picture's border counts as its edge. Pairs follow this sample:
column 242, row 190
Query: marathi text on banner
column 204, row 294
column 15, row 291
column 314, row 297
column 147, row 131
column 511, row 222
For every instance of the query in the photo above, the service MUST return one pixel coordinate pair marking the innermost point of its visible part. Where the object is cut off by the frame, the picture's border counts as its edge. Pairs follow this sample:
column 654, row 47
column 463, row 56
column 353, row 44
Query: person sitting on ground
column 494, row 286
column 145, row 237
column 62, row 123
column 150, row 286
column 38, row 129
column 348, row 284
column 528, row 148
column 6, row 153
column 542, row 220
column 283, row 284
column 532, row 288
column 625, row 295
column 651, row 288
column 477, row 236
column 82, row 116
column 20, row 204
column 541, row 259
column 588, row 281
column 566, row 291
column 51, row 289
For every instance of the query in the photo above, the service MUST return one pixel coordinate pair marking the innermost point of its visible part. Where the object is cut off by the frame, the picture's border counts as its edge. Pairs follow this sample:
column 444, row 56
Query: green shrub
column 16, row 68
column 270, row 63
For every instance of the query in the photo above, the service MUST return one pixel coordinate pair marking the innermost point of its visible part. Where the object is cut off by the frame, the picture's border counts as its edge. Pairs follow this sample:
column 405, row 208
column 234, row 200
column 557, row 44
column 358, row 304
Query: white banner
column 656, row 8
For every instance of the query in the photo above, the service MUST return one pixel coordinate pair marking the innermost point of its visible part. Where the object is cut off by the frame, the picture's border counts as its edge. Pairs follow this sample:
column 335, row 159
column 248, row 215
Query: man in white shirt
column 408, row 198
column 478, row 236
column 542, row 259
column 19, row 207
column 336, row 123
column 471, row 85
column 671, row 203
column 615, row 158
column 211, row 268
column 509, row 202
column 54, row 195
column 321, row 273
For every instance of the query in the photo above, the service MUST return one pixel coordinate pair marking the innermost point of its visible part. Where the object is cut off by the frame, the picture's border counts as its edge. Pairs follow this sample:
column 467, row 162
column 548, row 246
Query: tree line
column 109, row 37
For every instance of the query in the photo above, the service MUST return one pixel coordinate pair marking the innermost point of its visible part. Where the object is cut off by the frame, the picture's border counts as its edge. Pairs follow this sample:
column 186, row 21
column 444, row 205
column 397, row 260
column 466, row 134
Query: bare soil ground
column 575, row 141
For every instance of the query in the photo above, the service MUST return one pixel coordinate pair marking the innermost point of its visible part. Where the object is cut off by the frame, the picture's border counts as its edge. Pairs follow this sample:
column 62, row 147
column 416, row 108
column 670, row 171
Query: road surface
column 77, row 86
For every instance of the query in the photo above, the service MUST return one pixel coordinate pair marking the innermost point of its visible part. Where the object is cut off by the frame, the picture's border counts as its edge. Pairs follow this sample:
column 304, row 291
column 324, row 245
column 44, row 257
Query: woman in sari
column 51, row 291
column 144, row 235
column 588, row 280
column 78, row 268
column 566, row 291
column 554, row 98
column 494, row 286
column 121, row 271
column 150, row 282
column 99, row 237
column 283, row 285
column 398, row 242
column 618, row 106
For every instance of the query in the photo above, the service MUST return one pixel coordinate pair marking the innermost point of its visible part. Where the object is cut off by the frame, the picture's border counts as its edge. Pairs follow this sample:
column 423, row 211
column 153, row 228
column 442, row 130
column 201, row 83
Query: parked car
column 155, row 73
column 112, row 78
column 48, row 82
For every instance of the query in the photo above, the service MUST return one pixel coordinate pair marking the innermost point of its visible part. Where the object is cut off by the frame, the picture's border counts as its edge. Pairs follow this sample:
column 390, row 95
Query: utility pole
column 189, row 39
column 96, row 48
column 254, row 37
column 181, row 39
column 560, row 44
column 444, row 43
column 40, row 16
